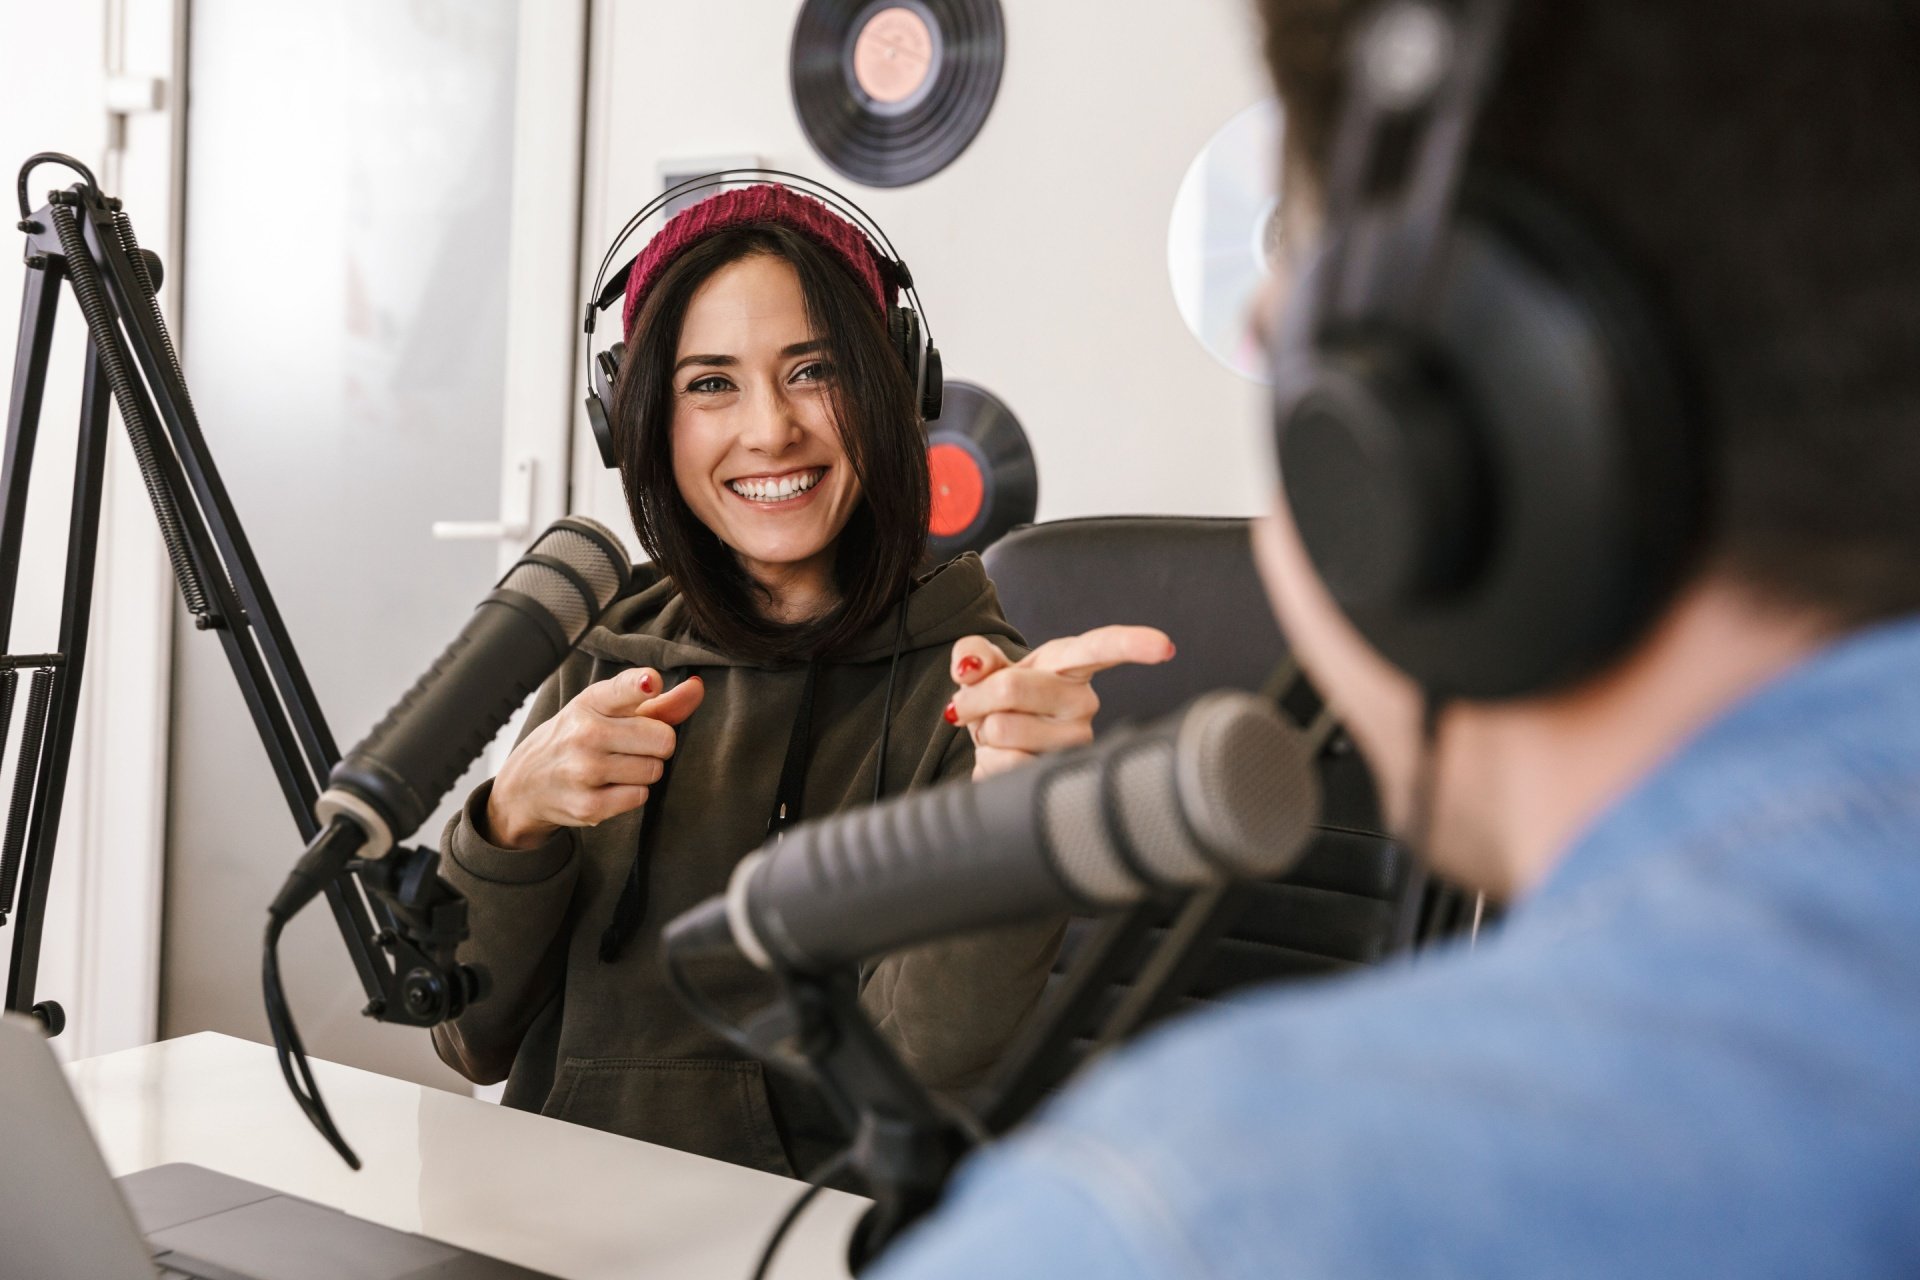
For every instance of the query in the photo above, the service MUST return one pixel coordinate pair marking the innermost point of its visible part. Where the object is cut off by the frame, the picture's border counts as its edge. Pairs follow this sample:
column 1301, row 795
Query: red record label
column 982, row 472
column 958, row 489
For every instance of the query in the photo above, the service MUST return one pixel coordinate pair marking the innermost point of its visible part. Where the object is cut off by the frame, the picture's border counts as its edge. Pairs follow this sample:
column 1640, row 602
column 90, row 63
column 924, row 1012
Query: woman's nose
column 772, row 424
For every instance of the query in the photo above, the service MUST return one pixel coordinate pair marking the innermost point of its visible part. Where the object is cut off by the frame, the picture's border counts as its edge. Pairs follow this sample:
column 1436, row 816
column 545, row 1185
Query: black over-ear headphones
column 907, row 328
column 1481, row 435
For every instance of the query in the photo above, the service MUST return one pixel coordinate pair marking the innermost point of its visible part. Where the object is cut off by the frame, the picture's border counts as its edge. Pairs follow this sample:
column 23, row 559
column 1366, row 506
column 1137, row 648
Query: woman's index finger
column 1084, row 656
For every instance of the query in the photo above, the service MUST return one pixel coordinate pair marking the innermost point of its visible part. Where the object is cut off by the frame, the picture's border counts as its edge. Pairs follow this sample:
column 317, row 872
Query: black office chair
column 1354, row 897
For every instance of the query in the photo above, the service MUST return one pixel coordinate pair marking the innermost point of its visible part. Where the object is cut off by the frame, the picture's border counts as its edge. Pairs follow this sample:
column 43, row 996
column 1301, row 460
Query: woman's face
column 756, row 448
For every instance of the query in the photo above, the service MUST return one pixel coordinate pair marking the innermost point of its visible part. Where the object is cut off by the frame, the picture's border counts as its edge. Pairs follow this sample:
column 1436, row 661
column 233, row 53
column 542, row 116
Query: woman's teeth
column 777, row 490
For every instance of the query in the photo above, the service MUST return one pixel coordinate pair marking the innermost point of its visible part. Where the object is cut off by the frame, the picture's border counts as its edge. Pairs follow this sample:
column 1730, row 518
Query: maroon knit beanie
column 765, row 202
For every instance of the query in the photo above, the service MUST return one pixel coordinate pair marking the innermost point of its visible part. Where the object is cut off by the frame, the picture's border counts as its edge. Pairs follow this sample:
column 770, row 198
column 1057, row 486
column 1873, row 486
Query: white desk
column 542, row 1193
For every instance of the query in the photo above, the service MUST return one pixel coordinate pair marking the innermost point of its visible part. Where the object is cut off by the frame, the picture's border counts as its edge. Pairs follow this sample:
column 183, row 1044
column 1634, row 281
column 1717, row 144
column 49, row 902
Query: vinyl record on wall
column 891, row 91
column 984, row 482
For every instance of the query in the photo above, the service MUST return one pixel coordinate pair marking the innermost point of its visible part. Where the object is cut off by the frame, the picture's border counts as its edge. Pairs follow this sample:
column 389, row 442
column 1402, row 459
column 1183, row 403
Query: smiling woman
column 762, row 356
column 788, row 657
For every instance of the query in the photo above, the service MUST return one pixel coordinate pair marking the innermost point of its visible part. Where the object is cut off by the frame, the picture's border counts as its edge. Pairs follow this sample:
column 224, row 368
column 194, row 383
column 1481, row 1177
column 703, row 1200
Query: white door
column 381, row 233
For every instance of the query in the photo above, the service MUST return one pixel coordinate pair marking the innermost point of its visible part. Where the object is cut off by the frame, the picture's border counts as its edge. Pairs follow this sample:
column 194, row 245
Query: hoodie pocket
column 711, row 1107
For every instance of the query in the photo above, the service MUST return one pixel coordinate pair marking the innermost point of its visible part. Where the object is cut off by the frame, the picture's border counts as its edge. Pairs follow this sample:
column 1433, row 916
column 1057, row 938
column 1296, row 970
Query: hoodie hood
column 651, row 628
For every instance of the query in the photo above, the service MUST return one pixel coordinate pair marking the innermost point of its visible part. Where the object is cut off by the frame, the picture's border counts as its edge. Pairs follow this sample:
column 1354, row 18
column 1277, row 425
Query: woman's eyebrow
column 808, row 347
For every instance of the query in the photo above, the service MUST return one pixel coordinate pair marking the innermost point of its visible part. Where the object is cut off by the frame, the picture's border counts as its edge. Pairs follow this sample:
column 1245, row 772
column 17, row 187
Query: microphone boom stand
column 400, row 926
column 904, row 1146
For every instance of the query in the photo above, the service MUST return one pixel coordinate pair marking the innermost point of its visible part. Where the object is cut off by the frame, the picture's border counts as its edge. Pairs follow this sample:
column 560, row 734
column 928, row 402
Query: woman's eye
column 709, row 385
column 817, row 371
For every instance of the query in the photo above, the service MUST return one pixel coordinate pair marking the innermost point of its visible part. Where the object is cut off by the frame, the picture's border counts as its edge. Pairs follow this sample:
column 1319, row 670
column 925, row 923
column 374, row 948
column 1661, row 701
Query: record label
column 893, row 56
column 959, row 487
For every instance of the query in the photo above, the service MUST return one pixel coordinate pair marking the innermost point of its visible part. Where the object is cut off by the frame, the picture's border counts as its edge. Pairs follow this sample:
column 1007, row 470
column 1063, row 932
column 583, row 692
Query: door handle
column 516, row 519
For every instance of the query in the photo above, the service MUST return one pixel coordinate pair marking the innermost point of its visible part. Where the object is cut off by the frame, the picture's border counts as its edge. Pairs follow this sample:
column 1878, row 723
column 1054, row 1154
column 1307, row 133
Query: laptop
column 62, row 1214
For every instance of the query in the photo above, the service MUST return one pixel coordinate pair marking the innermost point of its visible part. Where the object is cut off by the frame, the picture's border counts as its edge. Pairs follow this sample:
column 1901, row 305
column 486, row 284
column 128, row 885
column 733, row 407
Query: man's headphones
column 907, row 329
column 1482, row 437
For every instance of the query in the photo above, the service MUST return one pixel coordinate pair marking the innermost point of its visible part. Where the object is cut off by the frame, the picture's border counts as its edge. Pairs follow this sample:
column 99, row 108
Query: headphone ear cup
column 922, row 363
column 1534, row 436
column 1383, row 475
column 903, row 331
column 933, row 386
column 606, row 372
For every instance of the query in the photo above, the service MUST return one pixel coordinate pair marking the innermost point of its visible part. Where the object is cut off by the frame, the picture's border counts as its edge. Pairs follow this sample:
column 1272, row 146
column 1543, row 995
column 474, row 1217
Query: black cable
column 819, row 1179
column 292, row 1054
column 1447, row 901
column 886, row 710
column 50, row 157
column 701, row 1008
column 323, row 860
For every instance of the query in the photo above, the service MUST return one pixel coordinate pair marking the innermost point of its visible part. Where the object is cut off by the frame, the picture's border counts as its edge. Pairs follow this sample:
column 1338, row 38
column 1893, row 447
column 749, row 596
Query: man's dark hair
column 875, row 407
column 1758, row 164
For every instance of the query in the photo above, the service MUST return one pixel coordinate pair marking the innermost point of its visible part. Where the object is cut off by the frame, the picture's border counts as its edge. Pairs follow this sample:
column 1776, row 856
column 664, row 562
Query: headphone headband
column 1417, row 63
column 605, row 291
column 908, row 330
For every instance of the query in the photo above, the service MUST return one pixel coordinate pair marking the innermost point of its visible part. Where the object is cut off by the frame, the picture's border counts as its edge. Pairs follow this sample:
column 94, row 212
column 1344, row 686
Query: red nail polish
column 646, row 684
column 969, row 665
column 696, row 678
column 1170, row 649
column 952, row 716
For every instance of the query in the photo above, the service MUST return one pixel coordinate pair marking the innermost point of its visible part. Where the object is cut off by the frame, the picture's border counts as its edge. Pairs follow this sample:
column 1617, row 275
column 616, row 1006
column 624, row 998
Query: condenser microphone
column 517, row 637
column 1224, row 790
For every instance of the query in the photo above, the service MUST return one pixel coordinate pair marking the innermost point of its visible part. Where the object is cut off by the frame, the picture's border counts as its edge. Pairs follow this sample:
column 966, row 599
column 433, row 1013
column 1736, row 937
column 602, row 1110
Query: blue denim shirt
column 1693, row 1051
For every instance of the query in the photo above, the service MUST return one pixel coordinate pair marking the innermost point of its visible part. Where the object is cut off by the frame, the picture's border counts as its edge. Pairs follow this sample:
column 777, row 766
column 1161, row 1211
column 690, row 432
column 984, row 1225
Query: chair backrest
column 1351, row 899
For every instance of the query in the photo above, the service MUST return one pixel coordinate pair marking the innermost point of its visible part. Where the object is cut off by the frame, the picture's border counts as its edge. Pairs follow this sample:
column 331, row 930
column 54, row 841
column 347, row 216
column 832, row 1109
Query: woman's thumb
column 677, row 703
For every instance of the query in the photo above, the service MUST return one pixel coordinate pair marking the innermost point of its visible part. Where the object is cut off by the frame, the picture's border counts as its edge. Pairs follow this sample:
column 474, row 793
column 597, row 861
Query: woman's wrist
column 507, row 830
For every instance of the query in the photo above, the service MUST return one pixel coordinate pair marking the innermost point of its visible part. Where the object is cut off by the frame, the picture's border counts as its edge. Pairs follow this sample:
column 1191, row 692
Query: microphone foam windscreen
column 590, row 550
column 1248, row 783
column 1070, row 812
column 1147, row 802
column 1227, row 789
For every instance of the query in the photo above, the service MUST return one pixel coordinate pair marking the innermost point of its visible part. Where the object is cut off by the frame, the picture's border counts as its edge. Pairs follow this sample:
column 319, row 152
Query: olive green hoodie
column 606, row 1043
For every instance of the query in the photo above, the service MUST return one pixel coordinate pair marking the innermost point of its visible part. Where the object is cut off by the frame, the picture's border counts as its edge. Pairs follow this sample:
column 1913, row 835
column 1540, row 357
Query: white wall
column 1040, row 252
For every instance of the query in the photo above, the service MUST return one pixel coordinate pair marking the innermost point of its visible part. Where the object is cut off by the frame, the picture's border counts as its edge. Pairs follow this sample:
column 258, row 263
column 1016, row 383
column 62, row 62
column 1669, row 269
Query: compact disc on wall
column 1223, row 238
column 892, row 91
column 984, row 481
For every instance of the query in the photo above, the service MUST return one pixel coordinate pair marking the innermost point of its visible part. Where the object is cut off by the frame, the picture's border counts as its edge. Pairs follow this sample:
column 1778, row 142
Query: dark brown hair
column 1759, row 163
column 874, row 406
